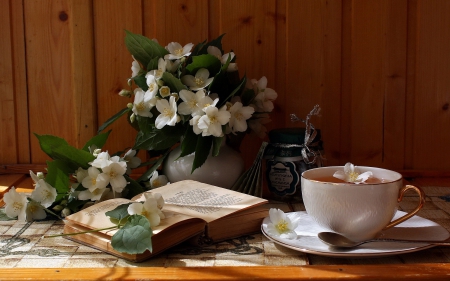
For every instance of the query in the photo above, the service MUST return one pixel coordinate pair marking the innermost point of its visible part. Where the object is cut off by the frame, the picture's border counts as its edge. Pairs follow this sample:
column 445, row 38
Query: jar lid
column 290, row 135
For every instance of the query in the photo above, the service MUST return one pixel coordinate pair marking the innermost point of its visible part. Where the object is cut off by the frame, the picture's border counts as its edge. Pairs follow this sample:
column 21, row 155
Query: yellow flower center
column 282, row 226
column 145, row 213
column 112, row 174
column 96, row 191
column 352, row 176
column 151, row 87
column 178, row 52
column 192, row 103
column 198, row 81
column 156, row 183
column 213, row 119
column 167, row 112
column 17, row 206
column 238, row 116
column 165, row 92
column 32, row 208
column 159, row 73
column 93, row 181
column 140, row 106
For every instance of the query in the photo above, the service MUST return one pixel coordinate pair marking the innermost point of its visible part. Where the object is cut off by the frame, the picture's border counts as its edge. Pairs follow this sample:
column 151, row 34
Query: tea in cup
column 357, row 211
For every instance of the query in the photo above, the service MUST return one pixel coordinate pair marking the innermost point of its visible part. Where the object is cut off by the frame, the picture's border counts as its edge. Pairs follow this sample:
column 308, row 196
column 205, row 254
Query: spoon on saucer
column 337, row 240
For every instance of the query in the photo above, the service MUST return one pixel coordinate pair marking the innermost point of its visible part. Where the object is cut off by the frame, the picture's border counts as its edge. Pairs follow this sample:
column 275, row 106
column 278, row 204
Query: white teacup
column 357, row 211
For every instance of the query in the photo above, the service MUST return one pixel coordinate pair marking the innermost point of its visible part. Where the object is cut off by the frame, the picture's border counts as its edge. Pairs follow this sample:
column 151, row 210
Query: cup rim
column 400, row 177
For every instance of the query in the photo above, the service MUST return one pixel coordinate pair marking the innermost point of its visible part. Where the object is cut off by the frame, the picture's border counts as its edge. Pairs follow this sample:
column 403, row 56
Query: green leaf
column 134, row 188
column 58, row 175
column 202, row 151
column 98, row 141
column 58, row 149
column 134, row 237
column 4, row 217
column 159, row 139
column 217, row 142
column 142, row 48
column 113, row 118
column 153, row 64
column 141, row 81
column 145, row 176
column 172, row 82
column 119, row 213
column 207, row 61
column 189, row 142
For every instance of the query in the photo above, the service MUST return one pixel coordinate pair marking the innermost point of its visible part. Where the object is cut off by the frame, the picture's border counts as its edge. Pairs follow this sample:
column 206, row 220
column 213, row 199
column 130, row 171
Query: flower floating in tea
column 282, row 225
column 352, row 174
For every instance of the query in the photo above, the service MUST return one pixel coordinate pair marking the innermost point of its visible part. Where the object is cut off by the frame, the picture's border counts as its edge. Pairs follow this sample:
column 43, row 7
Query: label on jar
column 282, row 177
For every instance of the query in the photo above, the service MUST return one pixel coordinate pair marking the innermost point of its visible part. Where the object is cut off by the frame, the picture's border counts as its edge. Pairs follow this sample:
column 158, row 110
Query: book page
column 202, row 200
column 94, row 217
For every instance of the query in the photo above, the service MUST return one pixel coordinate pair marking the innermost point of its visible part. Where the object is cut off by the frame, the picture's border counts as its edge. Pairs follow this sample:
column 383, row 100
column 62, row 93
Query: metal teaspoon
column 337, row 240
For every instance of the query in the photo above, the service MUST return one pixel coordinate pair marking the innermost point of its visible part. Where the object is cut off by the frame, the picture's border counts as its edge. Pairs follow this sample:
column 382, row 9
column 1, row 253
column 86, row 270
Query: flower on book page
column 148, row 209
column 16, row 204
column 158, row 180
column 282, row 225
column 352, row 174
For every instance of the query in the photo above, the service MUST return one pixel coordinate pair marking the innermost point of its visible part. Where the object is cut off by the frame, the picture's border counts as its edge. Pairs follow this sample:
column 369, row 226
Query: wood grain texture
column 7, row 101
column 378, row 69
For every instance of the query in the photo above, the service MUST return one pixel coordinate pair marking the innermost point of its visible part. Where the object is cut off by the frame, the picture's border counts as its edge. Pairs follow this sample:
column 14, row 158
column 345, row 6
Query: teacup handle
column 412, row 213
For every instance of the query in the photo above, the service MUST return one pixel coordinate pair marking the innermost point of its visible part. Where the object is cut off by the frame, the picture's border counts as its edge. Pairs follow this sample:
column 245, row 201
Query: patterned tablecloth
column 23, row 245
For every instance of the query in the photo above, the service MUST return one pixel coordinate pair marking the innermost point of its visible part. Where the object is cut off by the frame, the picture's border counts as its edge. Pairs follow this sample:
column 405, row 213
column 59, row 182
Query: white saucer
column 414, row 228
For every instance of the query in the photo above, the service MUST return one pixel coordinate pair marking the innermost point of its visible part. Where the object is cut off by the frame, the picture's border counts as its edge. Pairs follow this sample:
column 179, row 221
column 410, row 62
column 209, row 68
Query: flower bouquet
column 191, row 95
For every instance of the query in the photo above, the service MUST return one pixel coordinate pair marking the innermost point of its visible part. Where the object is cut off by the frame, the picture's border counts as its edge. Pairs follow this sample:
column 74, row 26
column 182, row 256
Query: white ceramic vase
column 222, row 170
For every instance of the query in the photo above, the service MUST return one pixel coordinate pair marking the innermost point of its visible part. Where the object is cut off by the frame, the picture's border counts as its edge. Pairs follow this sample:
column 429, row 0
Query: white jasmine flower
column 282, row 225
column 205, row 102
column 200, row 81
column 80, row 174
column 265, row 95
column 36, row 177
column 95, row 179
column 35, row 211
column 15, row 204
column 93, row 195
column 114, row 173
column 177, row 51
column 44, row 193
column 148, row 209
column 152, row 87
column 168, row 110
column 352, row 174
column 101, row 161
column 194, row 123
column 213, row 50
column 158, row 73
column 158, row 180
column 135, row 67
column 140, row 106
column 211, row 123
column 239, row 116
column 172, row 66
column 164, row 91
column 132, row 160
column 157, row 196
column 191, row 102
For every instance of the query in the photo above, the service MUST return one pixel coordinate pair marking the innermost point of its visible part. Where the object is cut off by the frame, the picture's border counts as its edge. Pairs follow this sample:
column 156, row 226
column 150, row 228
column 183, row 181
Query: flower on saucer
column 351, row 174
column 281, row 224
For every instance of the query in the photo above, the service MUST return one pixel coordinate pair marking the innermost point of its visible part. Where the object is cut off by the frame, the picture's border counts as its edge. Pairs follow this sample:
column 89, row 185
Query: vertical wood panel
column 250, row 33
column 20, row 82
column 432, row 87
column 377, row 34
column 49, row 72
column 113, row 64
column 83, row 70
column 313, row 67
column 8, row 140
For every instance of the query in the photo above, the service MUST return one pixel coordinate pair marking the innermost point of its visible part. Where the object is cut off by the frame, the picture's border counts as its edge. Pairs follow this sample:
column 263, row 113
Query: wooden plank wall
column 378, row 68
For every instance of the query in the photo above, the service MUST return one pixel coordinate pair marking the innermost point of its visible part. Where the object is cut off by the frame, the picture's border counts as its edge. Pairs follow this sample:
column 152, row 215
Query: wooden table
column 429, row 265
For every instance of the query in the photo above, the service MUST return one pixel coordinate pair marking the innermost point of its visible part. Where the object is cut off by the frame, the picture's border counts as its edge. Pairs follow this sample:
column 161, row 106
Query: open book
column 194, row 211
